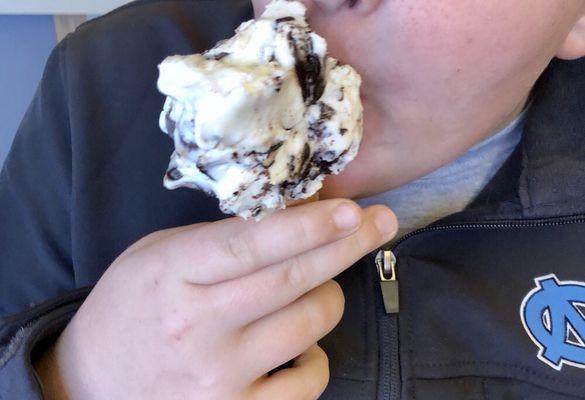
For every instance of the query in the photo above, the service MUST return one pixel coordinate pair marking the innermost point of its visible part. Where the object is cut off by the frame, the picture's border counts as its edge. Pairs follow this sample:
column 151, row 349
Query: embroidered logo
column 553, row 315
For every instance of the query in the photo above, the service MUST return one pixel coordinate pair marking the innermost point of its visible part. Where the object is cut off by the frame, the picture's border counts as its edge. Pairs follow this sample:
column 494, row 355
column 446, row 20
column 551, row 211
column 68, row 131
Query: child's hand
column 206, row 311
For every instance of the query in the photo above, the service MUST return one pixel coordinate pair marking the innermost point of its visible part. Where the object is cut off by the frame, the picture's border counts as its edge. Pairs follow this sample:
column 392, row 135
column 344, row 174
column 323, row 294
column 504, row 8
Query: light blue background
column 25, row 44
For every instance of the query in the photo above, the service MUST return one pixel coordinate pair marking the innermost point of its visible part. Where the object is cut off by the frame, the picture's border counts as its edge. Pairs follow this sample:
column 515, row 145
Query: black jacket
column 83, row 181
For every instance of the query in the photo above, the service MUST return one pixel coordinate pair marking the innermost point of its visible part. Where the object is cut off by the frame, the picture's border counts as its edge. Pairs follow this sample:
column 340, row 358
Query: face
column 439, row 76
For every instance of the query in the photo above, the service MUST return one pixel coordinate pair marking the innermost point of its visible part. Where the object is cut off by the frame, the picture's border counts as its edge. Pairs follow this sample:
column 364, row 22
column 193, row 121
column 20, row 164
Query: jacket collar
column 545, row 175
column 552, row 181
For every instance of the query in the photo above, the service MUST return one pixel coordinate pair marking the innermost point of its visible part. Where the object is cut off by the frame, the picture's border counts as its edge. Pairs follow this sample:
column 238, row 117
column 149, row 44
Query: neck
column 394, row 153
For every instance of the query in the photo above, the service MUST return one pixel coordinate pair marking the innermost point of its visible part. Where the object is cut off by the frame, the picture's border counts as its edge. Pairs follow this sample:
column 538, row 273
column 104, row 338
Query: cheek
column 473, row 41
column 421, row 44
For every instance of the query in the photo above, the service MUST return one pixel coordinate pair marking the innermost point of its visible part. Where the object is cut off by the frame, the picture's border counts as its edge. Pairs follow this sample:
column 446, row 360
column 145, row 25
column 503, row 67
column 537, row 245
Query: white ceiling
column 59, row 6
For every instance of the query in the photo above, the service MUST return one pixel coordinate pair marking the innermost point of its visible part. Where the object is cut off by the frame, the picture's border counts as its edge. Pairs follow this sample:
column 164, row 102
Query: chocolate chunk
column 341, row 93
column 256, row 211
column 342, row 131
column 326, row 111
column 306, row 154
column 257, row 159
column 291, row 165
column 323, row 165
column 284, row 19
column 306, row 171
column 241, row 188
column 277, row 83
column 287, row 186
column 275, row 147
column 262, row 155
column 218, row 56
column 174, row 174
column 308, row 68
column 310, row 79
column 306, row 164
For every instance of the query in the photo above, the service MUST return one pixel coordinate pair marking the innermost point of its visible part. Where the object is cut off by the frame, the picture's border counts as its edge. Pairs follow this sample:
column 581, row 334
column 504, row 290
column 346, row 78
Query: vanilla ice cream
column 263, row 116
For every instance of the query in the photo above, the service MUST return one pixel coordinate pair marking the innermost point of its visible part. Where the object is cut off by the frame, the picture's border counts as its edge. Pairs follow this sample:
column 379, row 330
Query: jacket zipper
column 386, row 264
column 389, row 350
column 386, row 267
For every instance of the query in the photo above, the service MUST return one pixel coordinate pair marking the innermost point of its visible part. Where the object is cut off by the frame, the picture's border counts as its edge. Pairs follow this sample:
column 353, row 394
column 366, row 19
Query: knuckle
column 295, row 275
column 303, row 230
column 242, row 248
column 177, row 326
column 211, row 305
column 366, row 240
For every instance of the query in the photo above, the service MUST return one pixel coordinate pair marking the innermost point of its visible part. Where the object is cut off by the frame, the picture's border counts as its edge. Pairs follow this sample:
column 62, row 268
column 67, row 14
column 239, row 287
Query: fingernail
column 385, row 223
column 346, row 217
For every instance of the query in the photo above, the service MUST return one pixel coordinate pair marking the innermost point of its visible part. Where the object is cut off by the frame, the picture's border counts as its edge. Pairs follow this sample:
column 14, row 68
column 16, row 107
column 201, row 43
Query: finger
column 272, row 288
column 232, row 248
column 285, row 334
column 306, row 379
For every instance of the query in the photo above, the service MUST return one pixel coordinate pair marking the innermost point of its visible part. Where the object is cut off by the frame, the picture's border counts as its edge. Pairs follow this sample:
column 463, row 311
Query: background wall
column 29, row 29
column 25, row 44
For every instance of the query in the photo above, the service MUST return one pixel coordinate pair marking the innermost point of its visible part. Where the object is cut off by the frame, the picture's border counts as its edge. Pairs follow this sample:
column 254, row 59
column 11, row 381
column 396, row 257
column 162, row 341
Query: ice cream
column 262, row 117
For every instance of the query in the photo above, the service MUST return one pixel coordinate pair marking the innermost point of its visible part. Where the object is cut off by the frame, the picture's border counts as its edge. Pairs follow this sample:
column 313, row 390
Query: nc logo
column 553, row 315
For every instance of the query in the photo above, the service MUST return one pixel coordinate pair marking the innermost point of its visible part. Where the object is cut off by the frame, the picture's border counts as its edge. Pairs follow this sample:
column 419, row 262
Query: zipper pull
column 386, row 263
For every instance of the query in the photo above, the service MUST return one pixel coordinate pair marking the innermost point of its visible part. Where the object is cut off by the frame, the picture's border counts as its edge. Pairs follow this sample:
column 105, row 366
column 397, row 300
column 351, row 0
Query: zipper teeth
column 494, row 225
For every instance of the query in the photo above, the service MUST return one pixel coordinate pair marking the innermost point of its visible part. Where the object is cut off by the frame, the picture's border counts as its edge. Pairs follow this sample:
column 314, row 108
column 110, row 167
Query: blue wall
column 25, row 44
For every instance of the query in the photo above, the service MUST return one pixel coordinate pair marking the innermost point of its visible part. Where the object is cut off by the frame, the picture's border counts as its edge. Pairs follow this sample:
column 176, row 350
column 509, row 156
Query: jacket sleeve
column 37, row 284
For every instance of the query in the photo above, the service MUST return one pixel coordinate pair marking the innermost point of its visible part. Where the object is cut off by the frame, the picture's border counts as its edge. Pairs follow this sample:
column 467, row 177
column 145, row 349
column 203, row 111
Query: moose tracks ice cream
column 262, row 117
